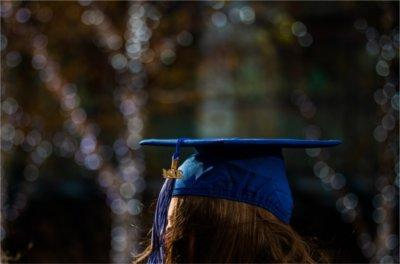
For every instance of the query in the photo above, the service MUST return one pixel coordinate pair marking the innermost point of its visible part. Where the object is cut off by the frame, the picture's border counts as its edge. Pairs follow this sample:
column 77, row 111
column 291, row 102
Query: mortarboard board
column 249, row 170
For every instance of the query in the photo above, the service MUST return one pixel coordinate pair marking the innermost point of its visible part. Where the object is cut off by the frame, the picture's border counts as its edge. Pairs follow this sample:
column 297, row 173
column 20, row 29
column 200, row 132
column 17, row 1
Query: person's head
column 210, row 230
column 231, row 202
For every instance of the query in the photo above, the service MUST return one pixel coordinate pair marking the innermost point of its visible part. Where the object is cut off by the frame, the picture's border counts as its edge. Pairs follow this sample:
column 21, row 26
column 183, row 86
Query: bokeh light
column 83, row 82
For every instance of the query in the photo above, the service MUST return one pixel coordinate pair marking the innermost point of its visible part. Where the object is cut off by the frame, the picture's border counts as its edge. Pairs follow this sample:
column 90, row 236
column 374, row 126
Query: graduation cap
column 248, row 170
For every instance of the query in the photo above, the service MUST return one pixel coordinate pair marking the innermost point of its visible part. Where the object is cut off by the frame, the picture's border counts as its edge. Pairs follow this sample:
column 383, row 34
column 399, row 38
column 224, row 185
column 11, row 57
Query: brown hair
column 217, row 230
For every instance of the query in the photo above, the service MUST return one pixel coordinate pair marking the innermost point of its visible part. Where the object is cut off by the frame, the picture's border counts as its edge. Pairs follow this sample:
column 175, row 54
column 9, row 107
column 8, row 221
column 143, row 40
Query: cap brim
column 272, row 142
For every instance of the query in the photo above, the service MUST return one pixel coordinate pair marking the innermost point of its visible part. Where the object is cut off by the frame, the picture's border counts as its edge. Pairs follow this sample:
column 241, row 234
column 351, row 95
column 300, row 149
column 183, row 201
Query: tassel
column 161, row 215
column 160, row 222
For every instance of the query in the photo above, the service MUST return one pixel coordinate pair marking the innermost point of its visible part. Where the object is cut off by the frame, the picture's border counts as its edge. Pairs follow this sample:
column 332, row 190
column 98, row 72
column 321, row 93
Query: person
column 230, row 202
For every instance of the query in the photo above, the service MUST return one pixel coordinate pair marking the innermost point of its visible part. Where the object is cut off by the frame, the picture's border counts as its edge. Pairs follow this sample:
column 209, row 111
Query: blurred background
column 83, row 82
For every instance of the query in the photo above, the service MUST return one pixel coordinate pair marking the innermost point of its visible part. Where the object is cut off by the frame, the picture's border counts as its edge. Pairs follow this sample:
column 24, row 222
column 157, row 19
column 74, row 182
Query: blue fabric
column 278, row 142
column 260, row 181
column 244, row 170
column 177, row 148
column 160, row 222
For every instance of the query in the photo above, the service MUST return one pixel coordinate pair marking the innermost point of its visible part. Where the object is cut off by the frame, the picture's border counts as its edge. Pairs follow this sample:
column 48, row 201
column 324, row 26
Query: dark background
column 83, row 82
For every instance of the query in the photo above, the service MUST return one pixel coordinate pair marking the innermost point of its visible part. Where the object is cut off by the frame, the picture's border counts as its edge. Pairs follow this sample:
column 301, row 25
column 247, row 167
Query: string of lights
column 348, row 203
column 15, row 123
column 124, row 196
column 129, row 97
column 89, row 153
column 130, row 67
column 119, row 183
column 383, row 47
column 9, row 107
column 120, row 174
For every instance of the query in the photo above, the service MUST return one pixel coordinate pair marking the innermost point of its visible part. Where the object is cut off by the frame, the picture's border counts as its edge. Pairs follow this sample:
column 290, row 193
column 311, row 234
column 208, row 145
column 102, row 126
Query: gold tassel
column 173, row 172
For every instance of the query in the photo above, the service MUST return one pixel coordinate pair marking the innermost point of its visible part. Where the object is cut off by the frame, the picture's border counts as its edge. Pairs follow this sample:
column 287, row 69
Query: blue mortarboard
column 249, row 170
